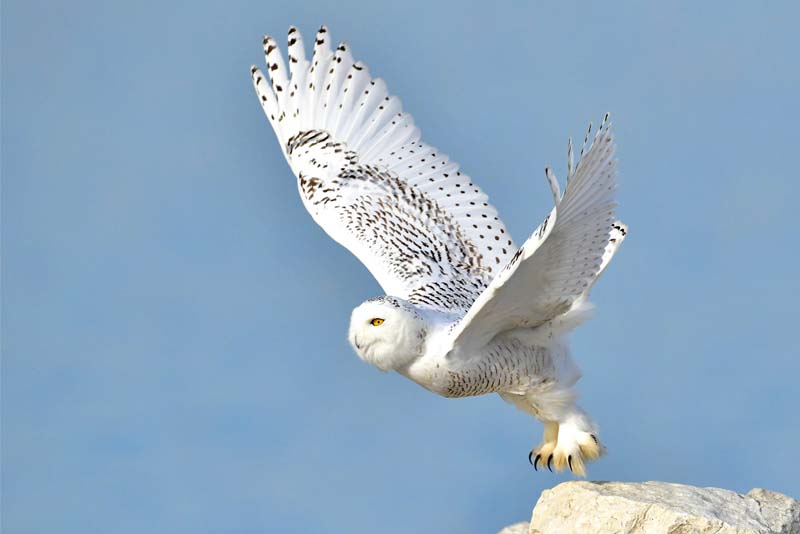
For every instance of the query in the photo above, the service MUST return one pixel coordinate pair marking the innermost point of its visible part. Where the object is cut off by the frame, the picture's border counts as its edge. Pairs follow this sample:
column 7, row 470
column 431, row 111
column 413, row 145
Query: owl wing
column 424, row 229
column 554, row 269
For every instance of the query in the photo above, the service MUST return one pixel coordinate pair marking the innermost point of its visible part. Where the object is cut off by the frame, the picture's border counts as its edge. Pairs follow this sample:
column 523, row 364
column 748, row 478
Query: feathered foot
column 574, row 448
column 566, row 445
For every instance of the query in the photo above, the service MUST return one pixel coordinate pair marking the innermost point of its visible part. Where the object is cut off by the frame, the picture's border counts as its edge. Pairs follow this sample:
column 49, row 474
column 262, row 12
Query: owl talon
column 534, row 461
column 545, row 448
column 566, row 446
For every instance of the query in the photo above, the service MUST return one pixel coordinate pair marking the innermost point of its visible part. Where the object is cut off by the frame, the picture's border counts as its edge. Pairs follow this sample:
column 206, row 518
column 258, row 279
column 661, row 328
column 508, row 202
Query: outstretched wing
column 558, row 264
column 423, row 229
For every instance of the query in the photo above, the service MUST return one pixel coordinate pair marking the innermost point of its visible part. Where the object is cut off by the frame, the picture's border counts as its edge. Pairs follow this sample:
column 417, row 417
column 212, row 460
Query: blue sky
column 174, row 352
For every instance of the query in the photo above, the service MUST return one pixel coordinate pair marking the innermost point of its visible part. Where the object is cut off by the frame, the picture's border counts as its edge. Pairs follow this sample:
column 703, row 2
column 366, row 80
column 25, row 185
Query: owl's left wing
column 554, row 270
column 425, row 231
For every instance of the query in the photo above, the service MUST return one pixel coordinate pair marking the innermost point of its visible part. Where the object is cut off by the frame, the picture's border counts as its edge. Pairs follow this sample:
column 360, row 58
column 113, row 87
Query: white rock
column 655, row 507
column 516, row 528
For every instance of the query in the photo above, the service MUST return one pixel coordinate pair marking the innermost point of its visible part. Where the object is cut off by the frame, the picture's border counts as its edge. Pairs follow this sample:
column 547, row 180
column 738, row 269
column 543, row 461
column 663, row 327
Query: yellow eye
column 376, row 322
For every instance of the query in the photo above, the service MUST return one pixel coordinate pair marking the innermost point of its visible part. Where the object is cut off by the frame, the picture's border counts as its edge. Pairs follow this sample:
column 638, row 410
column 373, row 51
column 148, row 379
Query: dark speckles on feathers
column 504, row 364
column 400, row 204
column 417, row 241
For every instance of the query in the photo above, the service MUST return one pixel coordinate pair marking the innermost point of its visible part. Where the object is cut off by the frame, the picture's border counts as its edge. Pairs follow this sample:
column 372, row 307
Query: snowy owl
column 466, row 312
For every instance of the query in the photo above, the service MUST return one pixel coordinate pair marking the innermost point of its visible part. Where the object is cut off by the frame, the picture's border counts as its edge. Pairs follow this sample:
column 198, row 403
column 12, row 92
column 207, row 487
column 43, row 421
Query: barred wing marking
column 423, row 229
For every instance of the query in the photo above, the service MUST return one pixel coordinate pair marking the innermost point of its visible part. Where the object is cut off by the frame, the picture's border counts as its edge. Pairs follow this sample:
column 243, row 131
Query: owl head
column 387, row 332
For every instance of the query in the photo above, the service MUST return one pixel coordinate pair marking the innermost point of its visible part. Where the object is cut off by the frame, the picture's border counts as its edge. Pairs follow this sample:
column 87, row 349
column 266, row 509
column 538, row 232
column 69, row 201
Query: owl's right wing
column 557, row 265
column 424, row 230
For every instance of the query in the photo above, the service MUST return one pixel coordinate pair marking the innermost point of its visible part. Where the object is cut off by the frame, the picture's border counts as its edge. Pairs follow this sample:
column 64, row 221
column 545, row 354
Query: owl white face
column 387, row 332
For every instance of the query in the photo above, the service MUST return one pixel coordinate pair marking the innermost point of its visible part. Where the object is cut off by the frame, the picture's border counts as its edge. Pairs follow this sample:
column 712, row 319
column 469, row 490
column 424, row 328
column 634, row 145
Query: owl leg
column 570, row 436
column 577, row 442
column 542, row 454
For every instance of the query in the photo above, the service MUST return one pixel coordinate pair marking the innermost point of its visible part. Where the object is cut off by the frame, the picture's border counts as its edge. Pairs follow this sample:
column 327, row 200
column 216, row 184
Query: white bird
column 466, row 311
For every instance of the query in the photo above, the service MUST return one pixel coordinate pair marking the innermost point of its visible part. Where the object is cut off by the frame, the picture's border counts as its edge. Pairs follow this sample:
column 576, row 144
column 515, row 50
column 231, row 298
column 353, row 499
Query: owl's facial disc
column 386, row 332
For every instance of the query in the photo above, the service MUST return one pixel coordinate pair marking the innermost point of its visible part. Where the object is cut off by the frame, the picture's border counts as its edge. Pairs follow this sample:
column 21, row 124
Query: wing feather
column 425, row 230
column 552, row 273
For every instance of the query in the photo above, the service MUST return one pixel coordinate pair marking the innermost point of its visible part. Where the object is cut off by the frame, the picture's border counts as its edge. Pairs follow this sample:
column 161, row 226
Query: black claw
column 549, row 459
column 594, row 438
column 569, row 461
column 534, row 461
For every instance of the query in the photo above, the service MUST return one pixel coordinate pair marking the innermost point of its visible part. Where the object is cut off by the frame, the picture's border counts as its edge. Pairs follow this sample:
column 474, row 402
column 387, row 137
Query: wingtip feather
column 554, row 187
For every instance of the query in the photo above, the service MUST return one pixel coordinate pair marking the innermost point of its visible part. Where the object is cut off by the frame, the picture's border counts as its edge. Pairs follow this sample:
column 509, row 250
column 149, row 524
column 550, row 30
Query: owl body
column 466, row 311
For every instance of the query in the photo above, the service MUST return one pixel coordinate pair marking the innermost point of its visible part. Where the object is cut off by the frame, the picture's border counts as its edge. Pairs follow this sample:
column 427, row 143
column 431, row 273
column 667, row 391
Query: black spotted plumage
column 401, row 227
column 425, row 230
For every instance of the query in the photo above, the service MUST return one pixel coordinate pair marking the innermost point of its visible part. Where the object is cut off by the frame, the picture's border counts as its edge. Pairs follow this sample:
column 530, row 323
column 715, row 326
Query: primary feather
column 555, row 268
column 424, row 229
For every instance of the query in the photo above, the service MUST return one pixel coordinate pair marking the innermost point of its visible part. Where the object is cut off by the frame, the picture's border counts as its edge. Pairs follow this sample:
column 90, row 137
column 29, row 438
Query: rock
column 516, row 528
column 654, row 507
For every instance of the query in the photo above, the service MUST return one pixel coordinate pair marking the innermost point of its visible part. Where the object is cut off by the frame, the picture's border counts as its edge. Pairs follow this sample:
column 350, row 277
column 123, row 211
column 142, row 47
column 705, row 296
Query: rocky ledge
column 656, row 507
